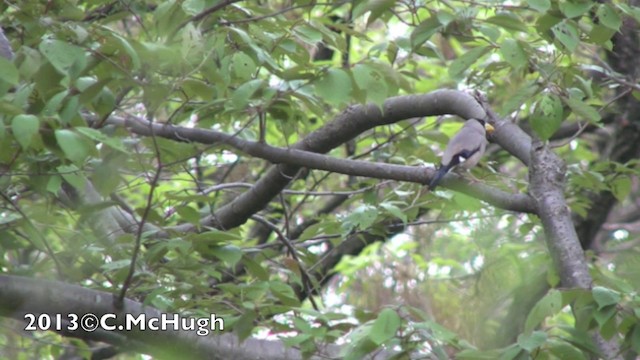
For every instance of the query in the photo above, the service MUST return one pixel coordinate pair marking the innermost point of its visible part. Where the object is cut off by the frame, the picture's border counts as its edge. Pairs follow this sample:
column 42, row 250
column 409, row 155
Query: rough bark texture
column 547, row 180
column 20, row 295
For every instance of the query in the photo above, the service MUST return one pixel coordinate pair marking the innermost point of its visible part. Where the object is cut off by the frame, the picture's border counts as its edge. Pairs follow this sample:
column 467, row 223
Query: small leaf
column 513, row 53
column 284, row 293
column 621, row 187
column 371, row 82
column 549, row 305
column 61, row 55
column 425, row 31
column 508, row 21
column 189, row 214
column 24, row 128
column 96, row 135
column 8, row 71
column 116, row 265
column 605, row 297
column 609, row 17
column 361, row 218
column 519, row 96
column 584, row 110
column 75, row 148
column 572, row 9
column 567, row 34
column 133, row 55
column 540, row 5
column 377, row 8
column 334, row 87
column 230, row 254
column 395, row 211
column 243, row 65
column 462, row 63
column 547, row 116
column 244, row 92
column 600, row 35
column 385, row 326
column 562, row 350
column 72, row 175
column 244, row 326
column 532, row 341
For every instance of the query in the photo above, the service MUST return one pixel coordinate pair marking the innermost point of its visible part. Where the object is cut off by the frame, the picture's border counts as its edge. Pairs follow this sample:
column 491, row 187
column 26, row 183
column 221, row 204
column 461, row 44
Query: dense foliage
column 145, row 151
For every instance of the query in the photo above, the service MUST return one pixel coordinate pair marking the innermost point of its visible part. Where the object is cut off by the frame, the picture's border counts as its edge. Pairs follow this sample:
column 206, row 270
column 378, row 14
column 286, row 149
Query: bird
column 464, row 149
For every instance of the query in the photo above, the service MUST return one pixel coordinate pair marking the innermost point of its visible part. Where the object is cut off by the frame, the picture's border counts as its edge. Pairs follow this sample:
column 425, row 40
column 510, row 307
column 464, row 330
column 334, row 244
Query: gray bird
column 464, row 149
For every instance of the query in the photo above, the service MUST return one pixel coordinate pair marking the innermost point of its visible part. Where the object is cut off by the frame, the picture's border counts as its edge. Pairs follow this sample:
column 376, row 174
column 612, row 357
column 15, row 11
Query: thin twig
column 306, row 279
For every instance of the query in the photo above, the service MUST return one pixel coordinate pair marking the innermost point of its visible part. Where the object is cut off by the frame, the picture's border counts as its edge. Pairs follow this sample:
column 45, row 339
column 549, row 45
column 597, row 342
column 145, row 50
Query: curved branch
column 347, row 125
column 21, row 295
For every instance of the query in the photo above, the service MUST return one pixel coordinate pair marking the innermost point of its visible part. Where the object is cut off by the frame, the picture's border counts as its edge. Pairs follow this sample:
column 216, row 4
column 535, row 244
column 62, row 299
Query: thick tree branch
column 323, row 140
column 20, row 295
column 547, row 181
column 547, row 173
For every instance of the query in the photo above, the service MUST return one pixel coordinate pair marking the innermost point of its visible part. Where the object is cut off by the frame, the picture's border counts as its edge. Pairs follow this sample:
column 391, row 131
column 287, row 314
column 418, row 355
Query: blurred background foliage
column 441, row 273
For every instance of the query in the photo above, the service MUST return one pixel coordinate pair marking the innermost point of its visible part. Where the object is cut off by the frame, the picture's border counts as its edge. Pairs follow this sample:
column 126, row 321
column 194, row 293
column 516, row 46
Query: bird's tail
column 438, row 176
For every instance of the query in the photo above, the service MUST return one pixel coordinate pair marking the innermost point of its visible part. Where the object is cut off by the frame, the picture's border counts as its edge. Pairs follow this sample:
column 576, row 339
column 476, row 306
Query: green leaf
column 562, row 350
column 24, row 128
column 632, row 11
column 582, row 109
column 334, row 87
column 8, row 71
column 72, row 175
column 385, row 326
column 547, row 116
column 604, row 314
column 395, row 211
column 466, row 202
column 244, row 325
column 572, row 9
column 532, row 341
column 609, row 17
column 243, row 65
column 75, row 148
column 425, row 31
column 62, row 55
column 116, row 265
column 243, row 94
column 549, row 305
column 540, row 5
column 133, row 55
column 621, row 187
column 230, row 254
column 361, row 218
column 519, row 96
column 188, row 214
column 605, row 297
column 255, row 268
column 567, row 34
column 462, row 63
column 96, row 135
column 580, row 338
column 371, row 82
column 196, row 88
column 508, row 21
column 600, row 35
column 513, row 53
column 376, row 7
column 284, row 293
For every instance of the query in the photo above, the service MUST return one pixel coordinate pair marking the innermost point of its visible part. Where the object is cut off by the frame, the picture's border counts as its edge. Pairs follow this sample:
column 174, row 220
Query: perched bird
column 464, row 149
